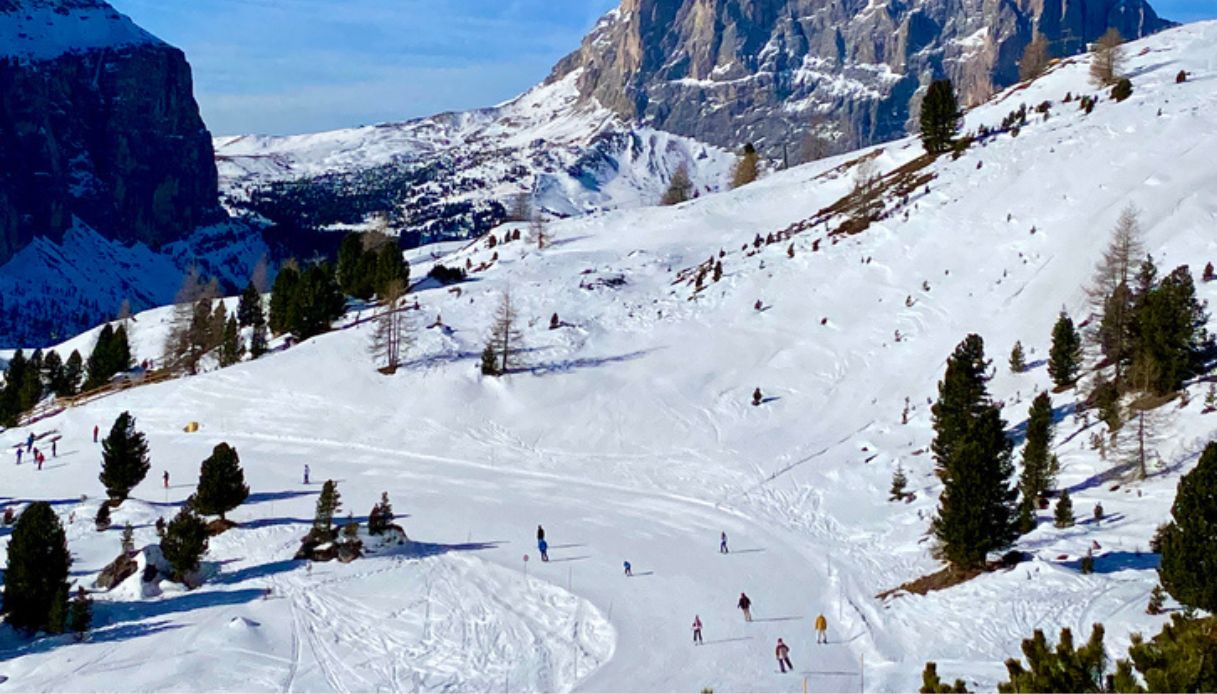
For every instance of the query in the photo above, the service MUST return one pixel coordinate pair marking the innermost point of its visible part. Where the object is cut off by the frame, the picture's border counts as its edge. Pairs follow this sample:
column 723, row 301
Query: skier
column 697, row 630
column 29, row 443
column 745, row 604
column 20, row 450
column 165, row 478
column 758, row 305
column 39, row 458
column 540, row 533
column 55, row 448
column 94, row 433
column 306, row 473
column 628, row 569
column 821, row 629
column 543, row 548
column 783, row 654
column 722, row 543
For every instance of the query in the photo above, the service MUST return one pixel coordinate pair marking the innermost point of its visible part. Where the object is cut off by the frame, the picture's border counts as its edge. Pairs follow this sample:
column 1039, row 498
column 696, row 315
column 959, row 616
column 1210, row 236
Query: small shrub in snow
column 1063, row 516
column 102, row 520
column 1122, row 90
column 184, row 543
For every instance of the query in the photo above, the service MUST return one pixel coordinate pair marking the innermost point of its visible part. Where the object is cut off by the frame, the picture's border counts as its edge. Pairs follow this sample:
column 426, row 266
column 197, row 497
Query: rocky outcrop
column 768, row 71
column 108, row 134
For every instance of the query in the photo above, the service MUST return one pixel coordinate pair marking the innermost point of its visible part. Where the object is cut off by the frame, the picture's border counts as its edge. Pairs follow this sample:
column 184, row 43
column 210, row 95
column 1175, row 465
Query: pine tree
column 1107, row 58
column 73, row 369
column 57, row 617
column 1157, row 597
column 1106, row 399
column 124, row 459
column 1189, row 541
column 940, row 117
column 900, row 483
column 976, row 512
column 230, row 349
column 490, row 361
column 81, row 614
column 1018, row 362
column 37, row 567
column 1035, row 58
column 329, row 503
column 1036, row 479
column 1181, row 658
column 747, row 167
column 1065, row 356
column 1063, row 516
column 381, row 516
column 52, row 373
column 680, row 188
column 283, row 299
column 352, row 271
column 1060, row 669
column 390, row 268
column 221, row 483
column 316, row 302
column 1170, row 334
column 931, row 684
column 185, row 543
column 249, row 308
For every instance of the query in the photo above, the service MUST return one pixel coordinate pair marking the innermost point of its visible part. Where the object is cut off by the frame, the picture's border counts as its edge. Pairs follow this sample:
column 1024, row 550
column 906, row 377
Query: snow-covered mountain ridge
column 632, row 437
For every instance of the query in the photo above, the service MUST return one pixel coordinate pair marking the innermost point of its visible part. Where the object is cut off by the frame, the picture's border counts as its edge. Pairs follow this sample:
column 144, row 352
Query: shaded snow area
column 46, row 29
column 631, row 437
column 58, row 289
column 572, row 158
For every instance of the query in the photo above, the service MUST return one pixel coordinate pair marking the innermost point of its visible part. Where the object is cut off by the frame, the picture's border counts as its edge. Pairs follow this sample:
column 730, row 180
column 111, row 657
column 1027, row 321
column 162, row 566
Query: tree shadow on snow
column 738, row 638
column 1018, row 434
column 250, row 573
column 1113, row 562
column 420, row 550
column 285, row 520
column 263, row 497
column 109, row 613
column 578, row 558
column 752, row 550
column 568, row 365
column 19, row 646
column 777, row 619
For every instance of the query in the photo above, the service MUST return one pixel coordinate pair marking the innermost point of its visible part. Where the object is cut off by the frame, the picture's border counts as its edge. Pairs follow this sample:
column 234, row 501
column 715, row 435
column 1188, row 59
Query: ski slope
column 631, row 436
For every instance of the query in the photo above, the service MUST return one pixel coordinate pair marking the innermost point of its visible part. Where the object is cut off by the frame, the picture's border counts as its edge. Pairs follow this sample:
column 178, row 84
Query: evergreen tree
column 128, row 540
column 37, row 568
column 282, row 299
column 1170, row 334
column 1036, row 480
column 329, row 503
column 391, row 269
column 124, row 459
column 1181, row 658
column 490, row 361
column 81, row 614
column 940, row 117
column 1106, row 399
column 931, row 684
column 249, row 308
column 747, row 167
column 1063, row 516
column 99, row 367
column 1188, row 543
column 73, row 369
column 1065, row 356
column 352, row 269
column 230, row 348
column 1063, row 669
column 1018, row 362
column 221, row 483
column 1157, row 597
column 962, row 395
column 185, row 543
column 900, row 482
column 680, row 188
column 316, row 303
column 57, row 617
column 381, row 516
column 52, row 373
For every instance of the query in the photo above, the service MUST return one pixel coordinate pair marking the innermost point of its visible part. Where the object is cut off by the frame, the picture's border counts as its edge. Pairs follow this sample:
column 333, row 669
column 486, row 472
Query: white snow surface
column 47, row 29
column 632, row 437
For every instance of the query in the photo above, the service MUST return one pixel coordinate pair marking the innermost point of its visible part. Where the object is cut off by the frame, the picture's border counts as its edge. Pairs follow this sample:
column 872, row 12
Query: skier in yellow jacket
column 821, row 629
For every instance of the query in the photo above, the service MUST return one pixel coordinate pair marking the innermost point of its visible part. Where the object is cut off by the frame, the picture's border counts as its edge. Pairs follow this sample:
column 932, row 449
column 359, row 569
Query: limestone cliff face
column 730, row 71
column 97, row 121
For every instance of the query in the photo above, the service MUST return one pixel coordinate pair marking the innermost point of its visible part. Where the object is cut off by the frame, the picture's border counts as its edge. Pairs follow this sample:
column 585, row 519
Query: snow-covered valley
column 631, row 436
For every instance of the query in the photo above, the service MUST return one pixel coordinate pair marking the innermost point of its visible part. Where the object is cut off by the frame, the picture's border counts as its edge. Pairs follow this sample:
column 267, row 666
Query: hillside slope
column 631, row 437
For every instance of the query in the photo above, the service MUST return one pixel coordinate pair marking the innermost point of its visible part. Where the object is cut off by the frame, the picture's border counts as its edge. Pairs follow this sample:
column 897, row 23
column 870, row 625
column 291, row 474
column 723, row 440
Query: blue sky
column 291, row 66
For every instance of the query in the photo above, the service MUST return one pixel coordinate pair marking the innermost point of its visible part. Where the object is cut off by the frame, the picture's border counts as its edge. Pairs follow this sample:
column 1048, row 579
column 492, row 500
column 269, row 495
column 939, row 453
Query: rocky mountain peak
column 768, row 71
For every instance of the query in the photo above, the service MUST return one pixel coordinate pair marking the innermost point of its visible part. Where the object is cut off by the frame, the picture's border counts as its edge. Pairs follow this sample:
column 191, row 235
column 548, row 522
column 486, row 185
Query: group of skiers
column 39, row 457
column 744, row 604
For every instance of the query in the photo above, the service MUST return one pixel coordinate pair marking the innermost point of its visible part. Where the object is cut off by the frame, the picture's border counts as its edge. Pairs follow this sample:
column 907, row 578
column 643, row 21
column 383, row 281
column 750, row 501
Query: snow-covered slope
column 632, row 437
column 573, row 159
column 46, row 29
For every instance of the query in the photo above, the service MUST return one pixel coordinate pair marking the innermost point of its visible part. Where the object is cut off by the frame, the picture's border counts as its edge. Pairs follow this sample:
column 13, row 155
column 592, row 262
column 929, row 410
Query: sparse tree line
column 36, row 589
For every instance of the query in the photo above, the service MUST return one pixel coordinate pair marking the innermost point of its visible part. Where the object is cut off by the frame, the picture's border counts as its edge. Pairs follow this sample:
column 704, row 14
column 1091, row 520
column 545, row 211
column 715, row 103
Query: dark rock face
column 767, row 71
column 98, row 121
